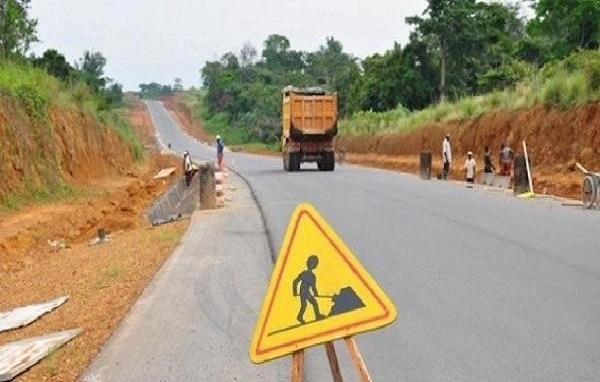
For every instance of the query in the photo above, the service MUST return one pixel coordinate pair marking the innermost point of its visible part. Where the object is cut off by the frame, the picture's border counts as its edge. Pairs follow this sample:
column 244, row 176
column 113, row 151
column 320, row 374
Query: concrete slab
column 25, row 315
column 164, row 173
column 16, row 357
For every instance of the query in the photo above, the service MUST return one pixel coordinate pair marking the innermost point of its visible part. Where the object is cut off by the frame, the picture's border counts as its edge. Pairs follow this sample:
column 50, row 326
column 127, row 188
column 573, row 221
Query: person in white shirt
column 446, row 156
column 470, row 168
column 187, row 168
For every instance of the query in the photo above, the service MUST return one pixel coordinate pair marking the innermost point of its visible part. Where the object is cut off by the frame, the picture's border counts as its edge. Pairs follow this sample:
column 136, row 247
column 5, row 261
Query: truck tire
column 286, row 160
column 327, row 162
column 294, row 162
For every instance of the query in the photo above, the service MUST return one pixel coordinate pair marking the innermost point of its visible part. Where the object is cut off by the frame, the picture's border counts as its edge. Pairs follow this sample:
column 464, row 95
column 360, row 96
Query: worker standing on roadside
column 470, row 169
column 446, row 156
column 187, row 167
column 488, row 166
column 220, row 148
column 506, row 158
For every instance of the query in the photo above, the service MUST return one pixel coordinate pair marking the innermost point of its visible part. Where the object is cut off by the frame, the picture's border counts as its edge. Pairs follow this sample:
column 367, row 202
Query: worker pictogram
column 318, row 292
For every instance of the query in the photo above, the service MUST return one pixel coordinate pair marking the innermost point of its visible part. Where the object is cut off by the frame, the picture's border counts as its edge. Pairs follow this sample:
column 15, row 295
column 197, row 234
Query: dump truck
column 309, row 128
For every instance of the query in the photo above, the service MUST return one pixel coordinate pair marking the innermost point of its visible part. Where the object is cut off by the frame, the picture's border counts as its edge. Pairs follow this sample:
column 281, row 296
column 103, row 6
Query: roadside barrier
column 179, row 200
column 521, row 180
column 425, row 165
column 220, row 187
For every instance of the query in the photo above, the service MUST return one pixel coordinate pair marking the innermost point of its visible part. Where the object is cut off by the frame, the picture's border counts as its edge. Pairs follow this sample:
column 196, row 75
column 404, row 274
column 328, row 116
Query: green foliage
column 154, row 90
column 31, row 87
column 242, row 101
column 36, row 194
column 36, row 92
column 561, row 27
column 55, row 64
column 479, row 54
column 17, row 29
column 562, row 84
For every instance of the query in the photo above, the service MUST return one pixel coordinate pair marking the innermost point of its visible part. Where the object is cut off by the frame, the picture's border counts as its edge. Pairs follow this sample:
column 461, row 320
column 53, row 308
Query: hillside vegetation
column 462, row 58
column 52, row 133
column 559, row 84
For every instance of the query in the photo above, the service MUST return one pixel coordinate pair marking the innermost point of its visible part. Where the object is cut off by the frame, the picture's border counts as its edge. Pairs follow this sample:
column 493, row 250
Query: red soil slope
column 555, row 138
column 69, row 145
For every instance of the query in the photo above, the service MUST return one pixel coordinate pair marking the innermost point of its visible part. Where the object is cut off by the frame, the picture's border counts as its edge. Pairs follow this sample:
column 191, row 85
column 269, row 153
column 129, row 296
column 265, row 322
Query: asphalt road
column 489, row 287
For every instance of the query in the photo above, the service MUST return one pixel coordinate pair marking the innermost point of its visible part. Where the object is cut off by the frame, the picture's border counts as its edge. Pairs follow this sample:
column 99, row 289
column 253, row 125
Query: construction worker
column 308, row 283
column 220, row 148
column 446, row 156
column 506, row 159
column 470, row 169
column 187, row 167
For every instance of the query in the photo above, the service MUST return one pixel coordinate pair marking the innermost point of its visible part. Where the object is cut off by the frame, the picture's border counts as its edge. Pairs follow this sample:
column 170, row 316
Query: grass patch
column 108, row 276
column 273, row 147
column 50, row 363
column 32, row 194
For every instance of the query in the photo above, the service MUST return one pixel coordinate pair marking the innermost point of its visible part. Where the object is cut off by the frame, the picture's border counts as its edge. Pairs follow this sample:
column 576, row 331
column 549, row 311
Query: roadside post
column 318, row 293
column 425, row 165
column 220, row 187
column 521, row 175
column 208, row 196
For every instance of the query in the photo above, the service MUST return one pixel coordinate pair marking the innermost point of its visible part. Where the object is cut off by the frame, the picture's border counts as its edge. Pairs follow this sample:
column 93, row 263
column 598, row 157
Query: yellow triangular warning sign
column 318, row 292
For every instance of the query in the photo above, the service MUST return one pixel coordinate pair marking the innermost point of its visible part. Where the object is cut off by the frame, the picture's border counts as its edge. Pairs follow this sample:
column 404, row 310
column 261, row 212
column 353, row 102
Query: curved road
column 488, row 287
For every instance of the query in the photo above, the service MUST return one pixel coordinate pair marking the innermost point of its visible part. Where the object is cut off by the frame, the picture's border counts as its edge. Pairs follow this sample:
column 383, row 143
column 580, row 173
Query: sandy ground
column 102, row 281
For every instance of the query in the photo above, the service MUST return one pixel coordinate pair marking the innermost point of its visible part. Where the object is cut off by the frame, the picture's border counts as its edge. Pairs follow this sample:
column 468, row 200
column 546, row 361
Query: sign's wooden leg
column 333, row 362
column 359, row 363
column 298, row 366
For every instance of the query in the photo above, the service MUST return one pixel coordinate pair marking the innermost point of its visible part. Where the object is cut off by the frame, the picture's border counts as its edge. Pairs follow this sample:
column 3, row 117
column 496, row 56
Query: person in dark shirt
column 308, row 289
column 220, row 149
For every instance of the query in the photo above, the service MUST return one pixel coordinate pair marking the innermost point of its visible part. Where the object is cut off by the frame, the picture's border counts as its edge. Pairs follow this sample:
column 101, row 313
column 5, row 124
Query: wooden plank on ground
column 25, row 315
column 165, row 172
column 16, row 357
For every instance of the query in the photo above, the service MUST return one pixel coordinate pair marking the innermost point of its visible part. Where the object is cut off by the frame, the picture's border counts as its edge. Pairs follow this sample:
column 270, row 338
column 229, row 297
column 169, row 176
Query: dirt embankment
column 182, row 114
column 68, row 145
column 556, row 139
column 102, row 281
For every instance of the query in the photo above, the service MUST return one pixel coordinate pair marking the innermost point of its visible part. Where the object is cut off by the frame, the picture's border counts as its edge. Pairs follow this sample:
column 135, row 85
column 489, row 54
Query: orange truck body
column 309, row 117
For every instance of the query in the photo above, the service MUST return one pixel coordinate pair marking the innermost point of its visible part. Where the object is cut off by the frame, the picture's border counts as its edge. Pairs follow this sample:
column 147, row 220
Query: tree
column 154, row 90
column 468, row 38
column 55, row 64
column 178, row 86
column 17, row 30
column 278, row 57
column 91, row 70
column 449, row 26
column 398, row 77
column 560, row 27
column 337, row 70
column 248, row 55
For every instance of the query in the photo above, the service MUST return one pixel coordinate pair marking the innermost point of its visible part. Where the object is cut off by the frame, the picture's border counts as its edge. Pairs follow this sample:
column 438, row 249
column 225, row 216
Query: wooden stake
column 297, row 366
column 336, row 373
column 359, row 363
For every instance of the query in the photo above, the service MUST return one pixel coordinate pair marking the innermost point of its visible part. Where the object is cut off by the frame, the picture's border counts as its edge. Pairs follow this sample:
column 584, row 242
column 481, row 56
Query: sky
column 158, row 40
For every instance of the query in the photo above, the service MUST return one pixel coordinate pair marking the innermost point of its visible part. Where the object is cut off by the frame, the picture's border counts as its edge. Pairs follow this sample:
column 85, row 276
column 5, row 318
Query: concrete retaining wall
column 178, row 201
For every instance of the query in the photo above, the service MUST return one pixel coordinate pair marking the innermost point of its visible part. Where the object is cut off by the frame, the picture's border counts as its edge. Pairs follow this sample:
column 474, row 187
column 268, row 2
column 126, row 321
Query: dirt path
column 102, row 281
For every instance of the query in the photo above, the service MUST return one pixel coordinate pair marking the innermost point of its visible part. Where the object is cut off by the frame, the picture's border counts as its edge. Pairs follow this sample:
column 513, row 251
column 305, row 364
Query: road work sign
column 318, row 292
